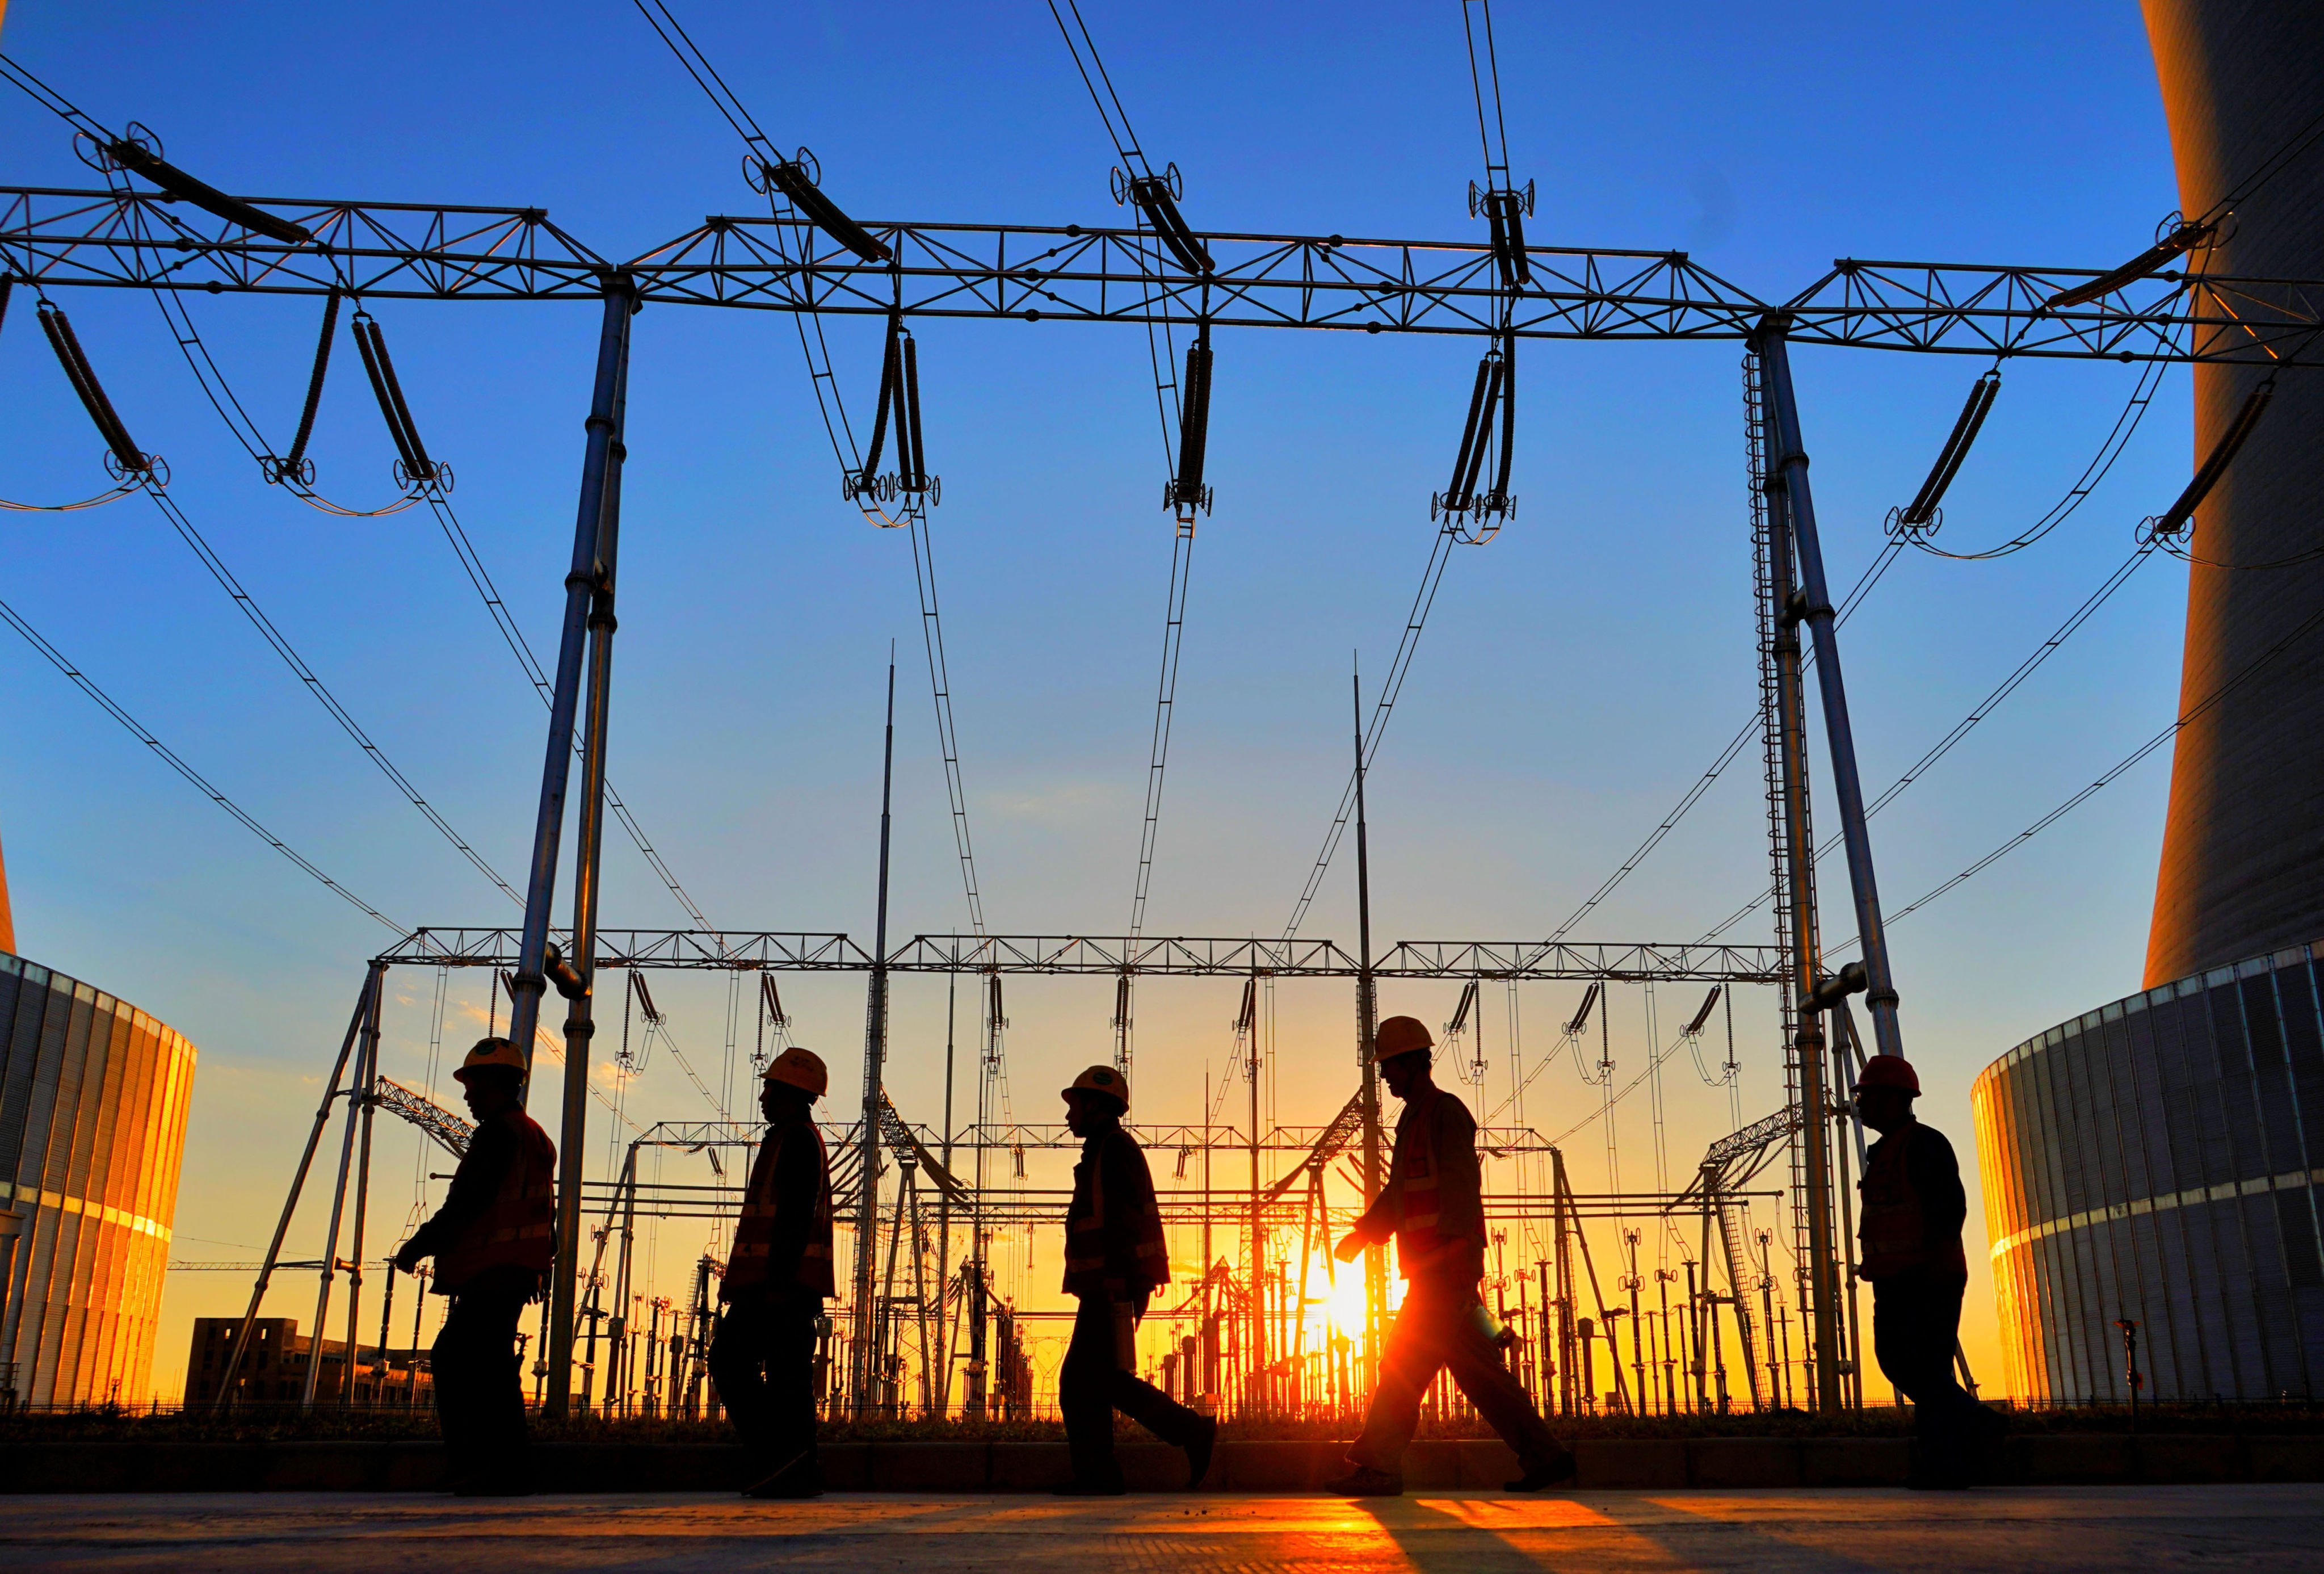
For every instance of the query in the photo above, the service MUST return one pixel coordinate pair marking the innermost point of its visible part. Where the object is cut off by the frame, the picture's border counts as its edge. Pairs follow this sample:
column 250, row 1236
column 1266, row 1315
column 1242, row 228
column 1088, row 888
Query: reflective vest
column 1114, row 1246
column 1893, row 1232
column 749, row 1264
column 519, row 1228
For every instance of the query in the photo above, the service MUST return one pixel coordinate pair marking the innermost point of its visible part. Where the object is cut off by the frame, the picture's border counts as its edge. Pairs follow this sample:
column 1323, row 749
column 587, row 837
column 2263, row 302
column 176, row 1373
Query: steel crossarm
column 384, row 249
column 1550, row 959
column 1960, row 308
column 60, row 237
column 1113, row 956
column 681, row 950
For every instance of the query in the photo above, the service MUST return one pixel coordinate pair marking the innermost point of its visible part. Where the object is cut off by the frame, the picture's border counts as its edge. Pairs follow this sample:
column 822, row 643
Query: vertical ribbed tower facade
column 93, row 1101
column 2243, row 850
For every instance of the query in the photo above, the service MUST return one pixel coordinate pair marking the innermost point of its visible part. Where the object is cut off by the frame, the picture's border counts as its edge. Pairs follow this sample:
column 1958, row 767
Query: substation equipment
column 809, row 261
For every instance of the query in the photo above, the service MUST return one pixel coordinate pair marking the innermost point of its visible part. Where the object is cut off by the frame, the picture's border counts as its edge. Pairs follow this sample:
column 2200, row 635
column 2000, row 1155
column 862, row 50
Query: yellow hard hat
column 494, row 1051
column 800, row 1068
column 1103, row 1079
column 1400, row 1035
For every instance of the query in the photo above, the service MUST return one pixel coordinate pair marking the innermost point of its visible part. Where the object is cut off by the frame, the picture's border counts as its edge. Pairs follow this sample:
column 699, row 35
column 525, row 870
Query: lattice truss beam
column 1075, row 273
column 1069, row 955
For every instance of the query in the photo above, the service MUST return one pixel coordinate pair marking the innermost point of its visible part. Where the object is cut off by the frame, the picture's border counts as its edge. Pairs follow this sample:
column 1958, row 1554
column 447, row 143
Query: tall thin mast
column 1367, row 1025
column 875, row 1055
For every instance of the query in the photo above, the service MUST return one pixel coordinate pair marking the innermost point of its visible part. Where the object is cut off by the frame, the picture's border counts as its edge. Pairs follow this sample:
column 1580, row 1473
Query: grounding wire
column 1979, row 712
column 170, row 757
column 2186, row 719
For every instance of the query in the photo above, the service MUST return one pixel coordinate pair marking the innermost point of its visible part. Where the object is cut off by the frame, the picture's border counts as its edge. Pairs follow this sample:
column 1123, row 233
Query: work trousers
column 479, row 1377
column 762, row 1359
column 1916, row 1325
column 1437, row 1329
column 1093, row 1385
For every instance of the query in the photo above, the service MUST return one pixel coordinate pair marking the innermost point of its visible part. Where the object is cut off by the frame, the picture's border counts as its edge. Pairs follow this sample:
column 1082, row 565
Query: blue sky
column 1577, row 675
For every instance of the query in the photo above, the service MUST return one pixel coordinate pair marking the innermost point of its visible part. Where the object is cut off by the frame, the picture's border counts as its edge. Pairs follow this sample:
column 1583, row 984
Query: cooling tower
column 2243, row 849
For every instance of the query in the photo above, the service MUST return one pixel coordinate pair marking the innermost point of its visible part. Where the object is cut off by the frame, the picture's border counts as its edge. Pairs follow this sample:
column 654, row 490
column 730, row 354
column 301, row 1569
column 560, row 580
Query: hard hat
column 1889, row 1072
column 1400, row 1035
column 800, row 1068
column 491, row 1053
column 1103, row 1079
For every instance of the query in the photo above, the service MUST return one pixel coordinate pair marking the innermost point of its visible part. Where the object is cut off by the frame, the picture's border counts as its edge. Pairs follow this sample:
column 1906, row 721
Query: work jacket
column 1114, row 1244
column 1434, row 1202
column 783, row 1243
column 500, row 1211
column 1913, row 1207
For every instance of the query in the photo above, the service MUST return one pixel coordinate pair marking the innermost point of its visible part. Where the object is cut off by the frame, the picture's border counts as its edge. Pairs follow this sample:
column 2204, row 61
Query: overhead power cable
column 2208, row 702
column 794, row 200
column 1440, row 553
column 248, row 607
column 1750, row 730
column 170, row 757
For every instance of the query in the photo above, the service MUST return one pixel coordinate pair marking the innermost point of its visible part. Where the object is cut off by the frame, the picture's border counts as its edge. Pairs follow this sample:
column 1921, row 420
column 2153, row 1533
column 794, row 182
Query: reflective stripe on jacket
column 1432, row 1204
column 1114, row 1243
column 766, row 1212
column 1894, row 1232
column 518, row 1228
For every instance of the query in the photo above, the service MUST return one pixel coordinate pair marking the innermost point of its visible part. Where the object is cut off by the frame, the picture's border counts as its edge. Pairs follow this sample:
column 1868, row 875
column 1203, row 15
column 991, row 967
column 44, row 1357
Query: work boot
column 798, row 1477
column 1547, row 1470
column 1363, row 1481
column 1198, row 1452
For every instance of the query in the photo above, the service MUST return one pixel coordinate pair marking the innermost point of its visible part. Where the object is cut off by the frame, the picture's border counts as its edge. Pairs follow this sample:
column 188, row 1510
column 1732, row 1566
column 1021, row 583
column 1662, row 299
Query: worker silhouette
column 1115, row 1259
column 1909, row 1246
column 493, row 1241
column 778, row 1277
column 1434, row 1207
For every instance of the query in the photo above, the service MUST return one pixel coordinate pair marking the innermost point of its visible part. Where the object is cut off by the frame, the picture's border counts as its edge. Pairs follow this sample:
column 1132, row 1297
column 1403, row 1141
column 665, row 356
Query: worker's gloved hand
column 406, row 1259
column 1351, row 1247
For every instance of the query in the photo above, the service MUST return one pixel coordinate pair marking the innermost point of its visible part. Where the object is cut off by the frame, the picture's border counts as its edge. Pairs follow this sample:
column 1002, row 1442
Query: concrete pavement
column 2276, row 1527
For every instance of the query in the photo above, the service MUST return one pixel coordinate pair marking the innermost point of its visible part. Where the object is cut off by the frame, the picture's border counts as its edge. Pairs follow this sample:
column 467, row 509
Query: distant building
column 93, row 1100
column 274, row 1370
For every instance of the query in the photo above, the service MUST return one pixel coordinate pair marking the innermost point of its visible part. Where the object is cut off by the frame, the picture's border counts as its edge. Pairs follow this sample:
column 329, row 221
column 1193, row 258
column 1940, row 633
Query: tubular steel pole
column 1806, row 960
column 875, row 1053
column 365, row 1044
column 1367, row 1027
column 1791, row 464
column 366, row 1086
column 297, row 1184
column 580, row 589
column 944, row 1329
column 580, row 1025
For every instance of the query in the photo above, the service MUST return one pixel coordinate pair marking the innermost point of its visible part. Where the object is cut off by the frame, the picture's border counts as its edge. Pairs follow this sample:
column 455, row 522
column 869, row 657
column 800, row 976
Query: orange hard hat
column 1400, row 1035
column 801, row 1068
column 491, row 1053
column 1103, row 1079
column 1889, row 1072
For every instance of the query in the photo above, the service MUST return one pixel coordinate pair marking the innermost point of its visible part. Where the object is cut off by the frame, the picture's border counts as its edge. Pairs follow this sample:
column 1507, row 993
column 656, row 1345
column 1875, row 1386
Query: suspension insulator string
column 423, row 470
column 369, row 351
column 1194, row 424
column 1922, row 514
column 133, row 461
column 290, row 465
column 913, row 464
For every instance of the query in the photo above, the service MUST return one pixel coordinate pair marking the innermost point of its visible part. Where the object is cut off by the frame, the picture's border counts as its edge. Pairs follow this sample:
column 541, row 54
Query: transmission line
column 2132, row 758
column 170, row 757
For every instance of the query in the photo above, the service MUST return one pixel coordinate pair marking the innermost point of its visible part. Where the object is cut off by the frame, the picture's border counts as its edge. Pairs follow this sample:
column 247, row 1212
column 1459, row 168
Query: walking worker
column 1909, row 1246
column 1433, row 1207
column 493, row 1241
column 778, row 1277
column 1115, row 1259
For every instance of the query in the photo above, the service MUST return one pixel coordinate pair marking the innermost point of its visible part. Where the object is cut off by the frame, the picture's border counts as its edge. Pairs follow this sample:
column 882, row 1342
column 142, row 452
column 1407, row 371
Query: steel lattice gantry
column 122, row 239
column 701, row 950
column 1087, row 274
